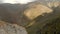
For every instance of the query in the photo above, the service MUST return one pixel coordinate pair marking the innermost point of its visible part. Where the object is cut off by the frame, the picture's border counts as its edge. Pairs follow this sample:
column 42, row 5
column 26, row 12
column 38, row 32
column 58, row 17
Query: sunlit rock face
column 35, row 10
column 53, row 4
column 7, row 28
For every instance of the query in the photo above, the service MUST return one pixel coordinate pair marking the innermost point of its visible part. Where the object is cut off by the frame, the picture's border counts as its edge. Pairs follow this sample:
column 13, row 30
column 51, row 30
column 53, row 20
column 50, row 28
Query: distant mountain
column 11, row 12
column 15, row 12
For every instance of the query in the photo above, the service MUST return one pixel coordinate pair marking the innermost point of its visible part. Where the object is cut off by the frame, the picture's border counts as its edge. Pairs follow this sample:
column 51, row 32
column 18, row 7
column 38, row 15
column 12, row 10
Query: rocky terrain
column 36, row 17
column 7, row 28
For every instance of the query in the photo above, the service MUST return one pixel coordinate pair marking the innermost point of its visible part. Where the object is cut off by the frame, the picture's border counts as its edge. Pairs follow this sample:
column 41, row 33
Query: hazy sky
column 23, row 1
column 17, row 1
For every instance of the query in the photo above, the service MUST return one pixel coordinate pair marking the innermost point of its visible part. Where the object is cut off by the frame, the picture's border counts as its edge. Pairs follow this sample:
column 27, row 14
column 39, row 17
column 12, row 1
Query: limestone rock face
column 7, row 28
column 35, row 10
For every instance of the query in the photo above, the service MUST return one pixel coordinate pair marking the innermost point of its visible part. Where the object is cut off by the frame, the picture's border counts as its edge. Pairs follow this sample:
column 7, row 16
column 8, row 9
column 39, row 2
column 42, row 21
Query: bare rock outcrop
column 35, row 10
column 7, row 28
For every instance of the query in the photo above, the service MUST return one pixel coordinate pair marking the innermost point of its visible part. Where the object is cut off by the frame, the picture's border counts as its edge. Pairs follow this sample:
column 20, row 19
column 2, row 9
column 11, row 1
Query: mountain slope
column 39, row 22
